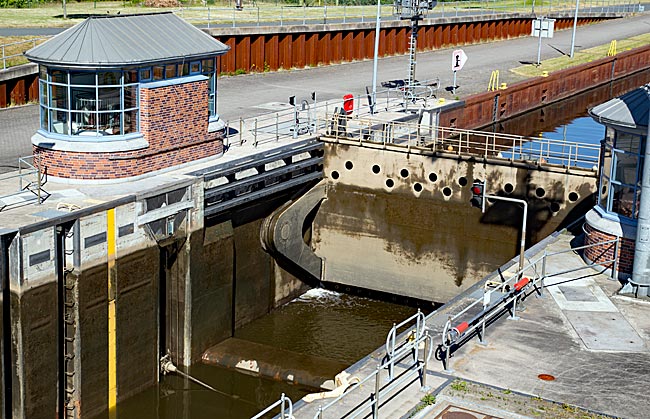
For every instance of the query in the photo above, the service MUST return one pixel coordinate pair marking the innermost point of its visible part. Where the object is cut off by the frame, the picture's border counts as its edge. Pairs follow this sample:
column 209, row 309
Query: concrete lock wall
column 413, row 235
column 99, row 294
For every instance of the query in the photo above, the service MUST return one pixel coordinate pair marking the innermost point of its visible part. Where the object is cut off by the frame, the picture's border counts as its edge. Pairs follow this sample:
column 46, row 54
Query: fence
column 256, row 15
column 487, row 145
column 12, row 54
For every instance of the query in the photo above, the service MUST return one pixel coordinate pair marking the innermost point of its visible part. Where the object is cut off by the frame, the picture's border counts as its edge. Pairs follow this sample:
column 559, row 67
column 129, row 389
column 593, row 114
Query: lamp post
column 575, row 24
column 374, row 63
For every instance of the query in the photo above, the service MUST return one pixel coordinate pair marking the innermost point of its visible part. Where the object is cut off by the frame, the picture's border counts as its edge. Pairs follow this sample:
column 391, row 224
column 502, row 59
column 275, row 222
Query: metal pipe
column 641, row 267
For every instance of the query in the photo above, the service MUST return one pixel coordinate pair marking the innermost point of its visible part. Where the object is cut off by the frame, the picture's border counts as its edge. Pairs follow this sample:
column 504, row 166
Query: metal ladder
column 409, row 90
column 70, row 313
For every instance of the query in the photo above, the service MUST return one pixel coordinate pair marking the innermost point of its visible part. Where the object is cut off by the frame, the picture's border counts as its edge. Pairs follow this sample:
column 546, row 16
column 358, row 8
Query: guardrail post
column 208, row 18
column 541, row 291
column 4, row 59
column 38, row 182
column 325, row 15
column 241, row 128
column 514, row 309
column 282, row 406
column 320, row 412
column 425, row 365
column 233, row 17
column 258, row 16
column 615, row 263
column 375, row 410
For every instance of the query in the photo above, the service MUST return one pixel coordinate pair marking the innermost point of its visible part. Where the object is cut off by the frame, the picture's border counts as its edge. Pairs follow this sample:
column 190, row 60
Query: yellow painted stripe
column 112, row 340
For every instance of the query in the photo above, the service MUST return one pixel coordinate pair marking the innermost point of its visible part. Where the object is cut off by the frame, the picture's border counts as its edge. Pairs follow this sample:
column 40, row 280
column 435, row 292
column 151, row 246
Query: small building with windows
column 621, row 169
column 125, row 96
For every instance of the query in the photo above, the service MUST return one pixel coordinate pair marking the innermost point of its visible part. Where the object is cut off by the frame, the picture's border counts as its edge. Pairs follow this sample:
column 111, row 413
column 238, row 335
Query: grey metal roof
column 630, row 110
column 113, row 41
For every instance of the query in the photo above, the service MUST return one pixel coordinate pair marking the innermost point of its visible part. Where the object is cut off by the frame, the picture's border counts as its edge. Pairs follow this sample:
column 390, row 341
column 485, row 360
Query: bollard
column 277, row 123
column 255, row 134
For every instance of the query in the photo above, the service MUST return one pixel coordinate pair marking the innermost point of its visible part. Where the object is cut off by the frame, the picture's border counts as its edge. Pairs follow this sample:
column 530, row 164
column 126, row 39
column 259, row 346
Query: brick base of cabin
column 604, row 252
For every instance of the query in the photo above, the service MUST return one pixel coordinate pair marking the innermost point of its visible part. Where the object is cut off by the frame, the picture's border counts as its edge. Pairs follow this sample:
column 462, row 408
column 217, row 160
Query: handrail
column 511, row 289
column 507, row 147
column 282, row 402
column 3, row 49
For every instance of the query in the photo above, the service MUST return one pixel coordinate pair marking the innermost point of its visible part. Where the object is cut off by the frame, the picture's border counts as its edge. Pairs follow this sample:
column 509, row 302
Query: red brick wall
column 605, row 252
column 173, row 120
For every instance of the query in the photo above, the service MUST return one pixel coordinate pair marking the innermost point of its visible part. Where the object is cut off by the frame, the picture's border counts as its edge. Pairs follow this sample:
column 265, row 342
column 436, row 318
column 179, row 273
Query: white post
column 375, row 59
column 575, row 24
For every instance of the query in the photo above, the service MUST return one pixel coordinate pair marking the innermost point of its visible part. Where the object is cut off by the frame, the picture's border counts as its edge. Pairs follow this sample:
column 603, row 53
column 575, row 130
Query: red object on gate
column 461, row 328
column 348, row 103
column 521, row 283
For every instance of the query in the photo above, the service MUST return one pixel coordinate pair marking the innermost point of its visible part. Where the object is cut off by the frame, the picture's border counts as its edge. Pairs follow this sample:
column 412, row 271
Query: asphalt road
column 250, row 94
column 241, row 96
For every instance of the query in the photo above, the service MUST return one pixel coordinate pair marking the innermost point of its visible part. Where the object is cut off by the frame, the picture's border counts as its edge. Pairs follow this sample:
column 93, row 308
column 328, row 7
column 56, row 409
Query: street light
column 575, row 24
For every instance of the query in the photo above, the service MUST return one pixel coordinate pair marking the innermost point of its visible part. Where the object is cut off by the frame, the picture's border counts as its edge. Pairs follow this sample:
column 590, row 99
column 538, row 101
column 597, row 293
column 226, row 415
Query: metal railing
column 396, row 352
column 487, row 145
column 30, row 178
column 259, row 15
column 308, row 117
column 286, row 408
column 7, row 50
column 497, row 297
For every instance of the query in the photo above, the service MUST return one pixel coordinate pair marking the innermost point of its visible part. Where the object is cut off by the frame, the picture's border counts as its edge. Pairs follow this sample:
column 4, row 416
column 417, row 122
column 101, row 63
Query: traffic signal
column 478, row 194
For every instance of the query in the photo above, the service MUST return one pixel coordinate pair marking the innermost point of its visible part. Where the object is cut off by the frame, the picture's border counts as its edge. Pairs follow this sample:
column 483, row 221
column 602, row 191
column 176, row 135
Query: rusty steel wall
column 272, row 48
column 268, row 49
column 485, row 108
column 19, row 90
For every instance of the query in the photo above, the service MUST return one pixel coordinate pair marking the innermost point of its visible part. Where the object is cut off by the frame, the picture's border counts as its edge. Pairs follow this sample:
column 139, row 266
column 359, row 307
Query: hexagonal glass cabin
column 121, row 96
column 621, row 168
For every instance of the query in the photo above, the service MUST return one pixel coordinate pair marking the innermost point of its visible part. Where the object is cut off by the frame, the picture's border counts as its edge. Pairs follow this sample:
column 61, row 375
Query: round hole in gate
column 540, row 192
column 555, row 207
column 573, row 197
column 390, row 183
column 335, row 175
column 404, row 173
column 376, row 169
column 508, row 188
column 349, row 165
column 462, row 181
column 417, row 187
column 433, row 177
column 446, row 191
